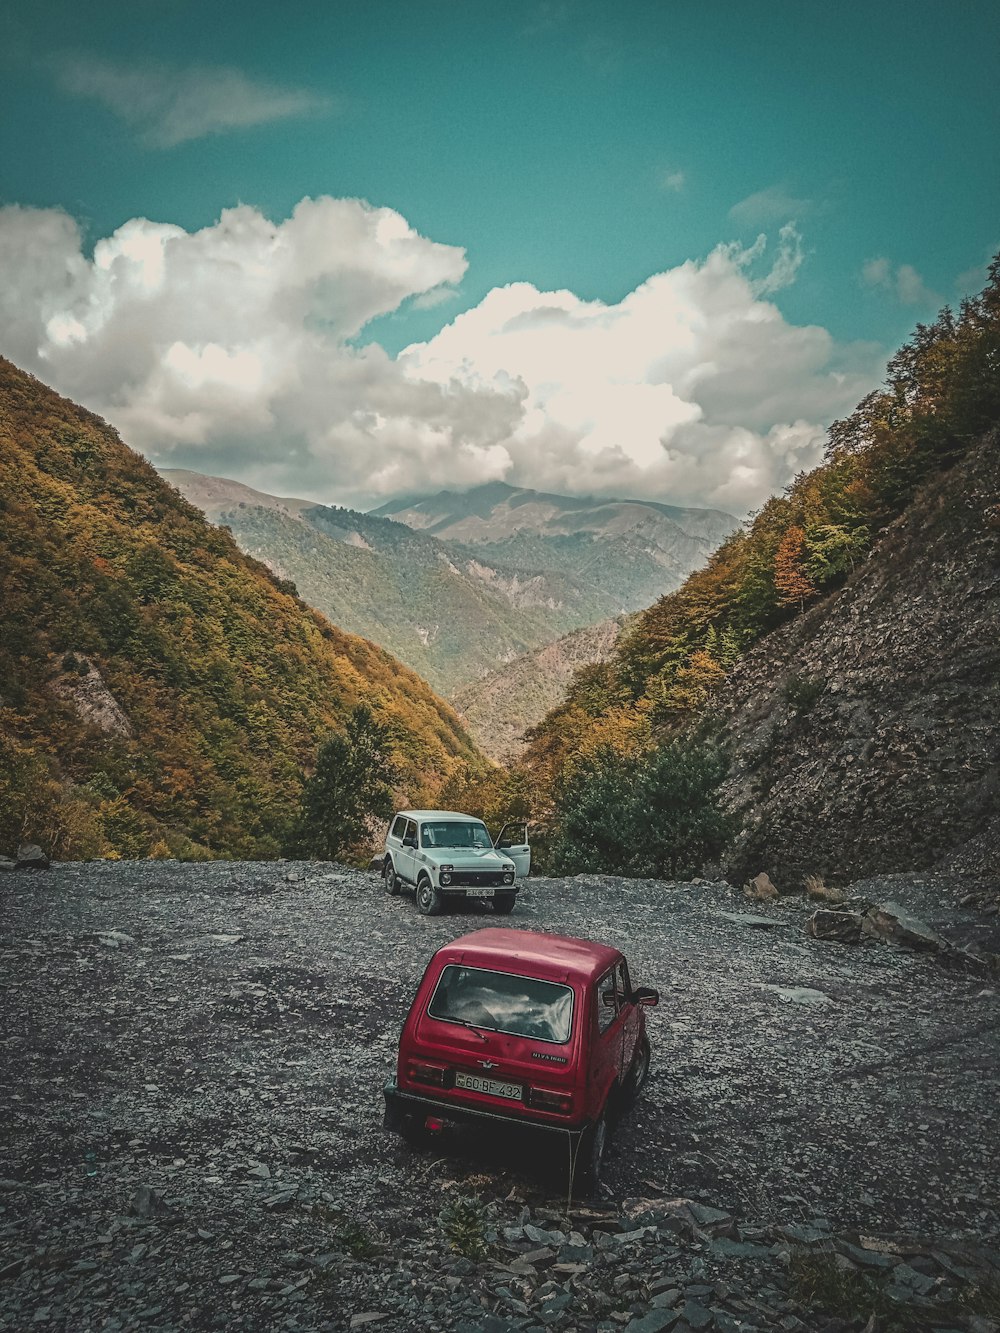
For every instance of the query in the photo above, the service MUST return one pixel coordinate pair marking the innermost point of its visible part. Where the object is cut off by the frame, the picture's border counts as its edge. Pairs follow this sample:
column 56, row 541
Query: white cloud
column 691, row 387
column 904, row 282
column 168, row 106
column 775, row 204
column 672, row 180
column 232, row 350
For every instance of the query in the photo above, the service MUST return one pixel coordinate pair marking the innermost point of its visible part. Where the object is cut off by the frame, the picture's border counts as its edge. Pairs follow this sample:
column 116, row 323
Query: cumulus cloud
column 672, row 180
column 168, row 106
column 692, row 387
column 904, row 282
column 775, row 204
column 234, row 350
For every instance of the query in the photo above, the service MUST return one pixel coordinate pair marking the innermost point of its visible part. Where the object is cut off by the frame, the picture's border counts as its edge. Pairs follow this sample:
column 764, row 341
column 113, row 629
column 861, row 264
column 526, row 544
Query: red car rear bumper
column 400, row 1105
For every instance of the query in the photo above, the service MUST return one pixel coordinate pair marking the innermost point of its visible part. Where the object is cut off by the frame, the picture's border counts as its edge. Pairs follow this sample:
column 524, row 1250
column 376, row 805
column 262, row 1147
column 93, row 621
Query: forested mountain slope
column 534, row 567
column 625, row 551
column 159, row 690
column 865, row 735
column 449, row 615
column 503, row 705
column 844, row 647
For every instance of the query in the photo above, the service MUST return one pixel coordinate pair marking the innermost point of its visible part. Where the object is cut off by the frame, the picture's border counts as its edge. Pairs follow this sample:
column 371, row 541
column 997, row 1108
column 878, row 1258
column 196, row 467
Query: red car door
column 606, row 1053
column 630, row 1019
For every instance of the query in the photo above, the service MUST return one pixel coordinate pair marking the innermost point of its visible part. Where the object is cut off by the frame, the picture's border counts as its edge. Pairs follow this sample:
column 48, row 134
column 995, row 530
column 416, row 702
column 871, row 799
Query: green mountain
column 500, row 708
column 625, row 552
column 160, row 691
column 448, row 615
column 456, row 610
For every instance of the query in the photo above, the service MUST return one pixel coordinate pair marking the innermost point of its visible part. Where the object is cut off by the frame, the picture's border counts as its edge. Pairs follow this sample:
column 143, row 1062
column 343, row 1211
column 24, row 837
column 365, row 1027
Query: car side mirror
column 503, row 843
column 646, row 996
column 409, row 842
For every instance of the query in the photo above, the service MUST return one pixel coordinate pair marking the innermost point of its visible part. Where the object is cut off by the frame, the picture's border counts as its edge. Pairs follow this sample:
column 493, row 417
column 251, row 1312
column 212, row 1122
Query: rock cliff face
column 866, row 734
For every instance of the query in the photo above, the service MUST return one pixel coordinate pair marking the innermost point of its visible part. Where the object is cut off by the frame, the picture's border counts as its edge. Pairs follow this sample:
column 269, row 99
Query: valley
column 460, row 586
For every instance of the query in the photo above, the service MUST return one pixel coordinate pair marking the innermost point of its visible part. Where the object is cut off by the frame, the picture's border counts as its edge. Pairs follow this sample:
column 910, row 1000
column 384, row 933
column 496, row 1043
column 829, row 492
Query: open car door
column 513, row 840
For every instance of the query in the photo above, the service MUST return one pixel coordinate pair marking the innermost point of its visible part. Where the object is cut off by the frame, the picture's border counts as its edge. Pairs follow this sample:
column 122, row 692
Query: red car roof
column 554, row 957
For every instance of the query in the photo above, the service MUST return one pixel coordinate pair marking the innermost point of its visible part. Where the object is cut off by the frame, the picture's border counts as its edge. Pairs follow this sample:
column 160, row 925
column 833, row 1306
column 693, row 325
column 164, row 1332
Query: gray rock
column 666, row 1300
column 114, row 939
column 148, row 1202
column 7, row 864
column 889, row 921
column 653, row 1321
column 31, row 857
column 805, row 1234
column 539, row 1258
column 905, row 1276
column 542, row 1237
column 862, row 1257
column 844, row 927
column 754, row 921
column 696, row 1316
column 715, row 1221
column 801, row 995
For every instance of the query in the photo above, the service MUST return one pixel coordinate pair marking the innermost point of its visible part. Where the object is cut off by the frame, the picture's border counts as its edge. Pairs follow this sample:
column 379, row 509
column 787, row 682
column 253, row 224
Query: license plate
column 480, row 893
column 491, row 1086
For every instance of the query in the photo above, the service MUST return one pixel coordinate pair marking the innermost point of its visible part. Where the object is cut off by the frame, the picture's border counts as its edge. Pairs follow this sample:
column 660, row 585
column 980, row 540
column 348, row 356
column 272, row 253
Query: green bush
column 656, row 814
column 463, row 1224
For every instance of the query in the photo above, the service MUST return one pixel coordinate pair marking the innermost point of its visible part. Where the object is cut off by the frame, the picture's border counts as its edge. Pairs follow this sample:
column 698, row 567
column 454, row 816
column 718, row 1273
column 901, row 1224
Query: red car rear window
column 504, row 1002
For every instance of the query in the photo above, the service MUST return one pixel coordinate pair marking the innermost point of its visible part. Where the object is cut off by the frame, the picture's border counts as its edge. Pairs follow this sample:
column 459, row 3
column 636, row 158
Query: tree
column 349, row 788
column 657, row 815
column 595, row 809
column 790, row 578
column 679, row 820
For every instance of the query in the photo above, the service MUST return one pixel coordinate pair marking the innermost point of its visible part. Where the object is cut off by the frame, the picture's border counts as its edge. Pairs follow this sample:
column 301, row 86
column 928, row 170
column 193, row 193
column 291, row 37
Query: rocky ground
column 192, row 1066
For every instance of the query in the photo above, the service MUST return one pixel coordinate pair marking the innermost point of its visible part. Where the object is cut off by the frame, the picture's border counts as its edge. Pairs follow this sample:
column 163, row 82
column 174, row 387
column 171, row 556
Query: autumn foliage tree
column 349, row 789
column 213, row 683
column 793, row 584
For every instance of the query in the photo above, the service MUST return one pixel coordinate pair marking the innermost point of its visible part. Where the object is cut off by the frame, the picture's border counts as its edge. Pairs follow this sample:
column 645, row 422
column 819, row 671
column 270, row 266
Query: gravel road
column 220, row 1033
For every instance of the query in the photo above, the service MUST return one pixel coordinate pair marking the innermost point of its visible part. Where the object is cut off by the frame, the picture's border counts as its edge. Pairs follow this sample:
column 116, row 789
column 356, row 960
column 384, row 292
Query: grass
column 816, row 888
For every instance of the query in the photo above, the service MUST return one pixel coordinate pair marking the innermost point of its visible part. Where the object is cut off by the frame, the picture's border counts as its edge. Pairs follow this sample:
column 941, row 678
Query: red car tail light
column 547, row 1100
column 421, row 1072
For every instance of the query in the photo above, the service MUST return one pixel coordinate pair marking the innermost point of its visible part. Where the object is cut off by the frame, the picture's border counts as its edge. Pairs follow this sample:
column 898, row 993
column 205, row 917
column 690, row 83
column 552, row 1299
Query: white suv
column 443, row 854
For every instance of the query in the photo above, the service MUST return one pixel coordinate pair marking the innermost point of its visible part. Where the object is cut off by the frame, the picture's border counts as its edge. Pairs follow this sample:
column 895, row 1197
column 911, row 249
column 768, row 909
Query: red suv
column 510, row 1026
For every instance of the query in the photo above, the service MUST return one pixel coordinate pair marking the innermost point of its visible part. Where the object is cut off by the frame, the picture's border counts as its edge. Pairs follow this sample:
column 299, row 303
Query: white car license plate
column 480, row 893
column 491, row 1086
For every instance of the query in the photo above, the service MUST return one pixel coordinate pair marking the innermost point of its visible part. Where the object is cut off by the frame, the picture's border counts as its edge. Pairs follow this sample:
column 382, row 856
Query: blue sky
column 573, row 146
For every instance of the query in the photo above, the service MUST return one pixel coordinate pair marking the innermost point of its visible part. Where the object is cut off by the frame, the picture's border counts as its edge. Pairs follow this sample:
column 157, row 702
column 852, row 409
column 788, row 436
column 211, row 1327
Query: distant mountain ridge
column 456, row 610
column 496, row 510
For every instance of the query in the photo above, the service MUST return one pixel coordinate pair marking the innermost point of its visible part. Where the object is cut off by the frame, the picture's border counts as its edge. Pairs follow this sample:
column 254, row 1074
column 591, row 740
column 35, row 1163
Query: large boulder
column 846, row 927
column 31, row 857
column 889, row 921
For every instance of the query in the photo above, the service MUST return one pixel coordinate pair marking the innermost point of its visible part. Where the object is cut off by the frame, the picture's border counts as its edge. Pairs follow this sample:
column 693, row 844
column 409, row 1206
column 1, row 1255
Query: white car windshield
column 503, row 1002
column 453, row 833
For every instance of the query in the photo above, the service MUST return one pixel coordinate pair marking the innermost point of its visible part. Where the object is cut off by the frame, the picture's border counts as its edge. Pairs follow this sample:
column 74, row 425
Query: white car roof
column 440, row 814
